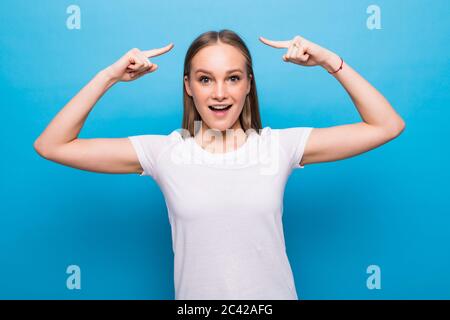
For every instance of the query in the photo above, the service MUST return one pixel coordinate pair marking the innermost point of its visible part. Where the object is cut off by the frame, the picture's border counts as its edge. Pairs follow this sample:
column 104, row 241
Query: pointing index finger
column 276, row 44
column 157, row 52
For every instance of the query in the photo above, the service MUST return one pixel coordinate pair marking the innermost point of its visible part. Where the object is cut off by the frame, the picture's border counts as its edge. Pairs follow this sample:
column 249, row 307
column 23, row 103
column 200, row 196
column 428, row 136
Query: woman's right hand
column 134, row 64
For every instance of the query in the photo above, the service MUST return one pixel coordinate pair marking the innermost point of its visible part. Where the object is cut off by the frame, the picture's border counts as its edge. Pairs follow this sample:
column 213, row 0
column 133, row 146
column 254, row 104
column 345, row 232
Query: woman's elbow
column 397, row 128
column 40, row 149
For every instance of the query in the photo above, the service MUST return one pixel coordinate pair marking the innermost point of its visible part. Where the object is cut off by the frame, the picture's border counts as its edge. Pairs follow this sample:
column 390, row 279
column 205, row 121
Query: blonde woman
column 223, row 175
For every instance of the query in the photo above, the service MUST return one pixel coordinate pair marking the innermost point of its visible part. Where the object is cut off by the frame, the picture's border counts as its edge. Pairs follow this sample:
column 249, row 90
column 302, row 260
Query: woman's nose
column 219, row 91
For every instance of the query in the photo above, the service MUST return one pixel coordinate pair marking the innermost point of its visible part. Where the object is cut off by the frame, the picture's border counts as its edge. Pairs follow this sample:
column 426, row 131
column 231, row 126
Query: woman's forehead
column 219, row 58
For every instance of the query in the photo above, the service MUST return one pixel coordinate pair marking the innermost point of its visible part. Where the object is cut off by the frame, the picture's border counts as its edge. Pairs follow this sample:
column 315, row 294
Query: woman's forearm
column 67, row 124
column 373, row 108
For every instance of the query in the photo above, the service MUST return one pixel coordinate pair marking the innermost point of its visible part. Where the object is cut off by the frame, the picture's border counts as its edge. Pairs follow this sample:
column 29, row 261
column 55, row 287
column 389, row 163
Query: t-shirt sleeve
column 293, row 141
column 148, row 149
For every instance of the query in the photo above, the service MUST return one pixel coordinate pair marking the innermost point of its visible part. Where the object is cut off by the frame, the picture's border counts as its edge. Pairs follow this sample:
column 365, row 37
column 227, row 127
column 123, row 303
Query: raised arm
column 59, row 142
column 380, row 123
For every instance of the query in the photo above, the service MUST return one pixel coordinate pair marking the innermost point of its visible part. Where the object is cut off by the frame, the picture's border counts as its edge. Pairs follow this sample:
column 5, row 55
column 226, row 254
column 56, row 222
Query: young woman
column 223, row 175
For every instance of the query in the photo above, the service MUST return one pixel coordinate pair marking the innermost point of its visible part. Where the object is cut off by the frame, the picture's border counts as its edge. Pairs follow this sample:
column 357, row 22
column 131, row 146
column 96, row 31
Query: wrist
column 107, row 78
column 332, row 63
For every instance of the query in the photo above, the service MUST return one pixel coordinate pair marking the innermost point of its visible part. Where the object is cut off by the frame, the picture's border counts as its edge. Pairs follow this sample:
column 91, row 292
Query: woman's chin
column 220, row 125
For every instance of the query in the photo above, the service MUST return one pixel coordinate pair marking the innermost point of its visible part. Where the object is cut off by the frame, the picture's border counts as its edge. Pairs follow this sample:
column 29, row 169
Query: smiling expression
column 218, row 79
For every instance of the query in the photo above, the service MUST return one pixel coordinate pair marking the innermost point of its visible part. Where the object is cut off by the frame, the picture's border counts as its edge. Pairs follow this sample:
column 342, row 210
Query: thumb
column 122, row 63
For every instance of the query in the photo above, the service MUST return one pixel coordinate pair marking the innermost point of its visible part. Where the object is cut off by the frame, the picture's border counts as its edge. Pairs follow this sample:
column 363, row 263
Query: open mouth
column 221, row 108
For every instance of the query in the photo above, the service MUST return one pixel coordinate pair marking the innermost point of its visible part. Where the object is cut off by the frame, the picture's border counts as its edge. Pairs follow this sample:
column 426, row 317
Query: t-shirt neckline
column 228, row 154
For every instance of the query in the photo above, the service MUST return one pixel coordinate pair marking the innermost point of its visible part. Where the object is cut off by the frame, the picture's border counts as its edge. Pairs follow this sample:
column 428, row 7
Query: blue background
column 388, row 207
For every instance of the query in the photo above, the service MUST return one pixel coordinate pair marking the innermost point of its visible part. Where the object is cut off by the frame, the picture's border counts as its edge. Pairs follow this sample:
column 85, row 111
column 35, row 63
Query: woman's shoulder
column 287, row 131
column 285, row 137
column 157, row 141
column 260, row 132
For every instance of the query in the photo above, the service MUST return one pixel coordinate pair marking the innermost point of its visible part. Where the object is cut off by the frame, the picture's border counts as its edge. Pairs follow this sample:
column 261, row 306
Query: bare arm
column 59, row 142
column 380, row 123
column 67, row 124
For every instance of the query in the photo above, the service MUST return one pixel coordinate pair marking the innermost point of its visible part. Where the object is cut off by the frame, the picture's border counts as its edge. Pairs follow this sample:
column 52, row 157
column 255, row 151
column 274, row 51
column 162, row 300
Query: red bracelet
column 340, row 68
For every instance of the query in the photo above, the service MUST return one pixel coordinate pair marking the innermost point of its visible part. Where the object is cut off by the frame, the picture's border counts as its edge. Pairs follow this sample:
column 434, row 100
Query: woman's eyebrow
column 229, row 71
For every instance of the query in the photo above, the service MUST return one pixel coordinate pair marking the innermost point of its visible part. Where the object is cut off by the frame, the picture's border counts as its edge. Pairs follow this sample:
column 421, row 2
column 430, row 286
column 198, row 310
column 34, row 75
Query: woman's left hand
column 301, row 51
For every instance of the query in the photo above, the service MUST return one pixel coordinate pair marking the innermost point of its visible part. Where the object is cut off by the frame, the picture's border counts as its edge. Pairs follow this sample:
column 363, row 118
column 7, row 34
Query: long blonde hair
column 249, row 117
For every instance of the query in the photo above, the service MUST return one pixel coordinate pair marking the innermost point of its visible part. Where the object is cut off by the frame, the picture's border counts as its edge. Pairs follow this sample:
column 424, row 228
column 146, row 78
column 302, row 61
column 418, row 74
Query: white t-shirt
column 225, row 211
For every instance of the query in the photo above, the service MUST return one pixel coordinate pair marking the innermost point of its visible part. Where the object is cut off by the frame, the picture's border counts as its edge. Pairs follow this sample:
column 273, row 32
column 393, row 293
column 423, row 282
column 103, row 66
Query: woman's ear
column 186, row 86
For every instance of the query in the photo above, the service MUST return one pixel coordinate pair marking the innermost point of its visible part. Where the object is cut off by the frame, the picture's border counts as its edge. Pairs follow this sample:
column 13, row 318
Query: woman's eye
column 236, row 78
column 202, row 78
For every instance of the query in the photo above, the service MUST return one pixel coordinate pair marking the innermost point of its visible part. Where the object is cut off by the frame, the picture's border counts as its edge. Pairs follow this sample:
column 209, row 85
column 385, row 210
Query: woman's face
column 218, row 78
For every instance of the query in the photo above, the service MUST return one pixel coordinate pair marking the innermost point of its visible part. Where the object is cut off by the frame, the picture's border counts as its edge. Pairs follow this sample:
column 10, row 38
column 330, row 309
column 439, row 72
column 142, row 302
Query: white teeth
column 220, row 106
